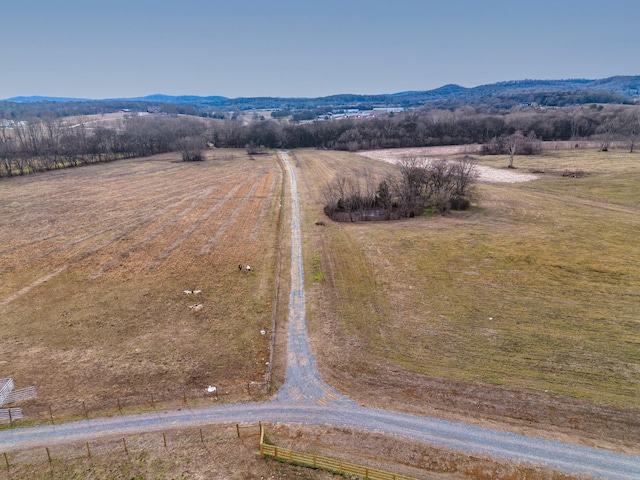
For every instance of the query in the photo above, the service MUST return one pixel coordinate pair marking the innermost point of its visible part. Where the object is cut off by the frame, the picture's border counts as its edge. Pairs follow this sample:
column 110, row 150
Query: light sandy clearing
column 485, row 174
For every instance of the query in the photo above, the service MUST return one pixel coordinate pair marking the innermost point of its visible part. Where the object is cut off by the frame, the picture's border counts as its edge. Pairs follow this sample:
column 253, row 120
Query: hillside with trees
column 39, row 135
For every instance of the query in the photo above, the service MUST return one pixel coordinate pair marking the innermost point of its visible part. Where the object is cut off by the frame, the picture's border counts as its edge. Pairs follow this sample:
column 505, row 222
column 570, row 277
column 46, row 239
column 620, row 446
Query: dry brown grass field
column 521, row 313
column 216, row 452
column 94, row 262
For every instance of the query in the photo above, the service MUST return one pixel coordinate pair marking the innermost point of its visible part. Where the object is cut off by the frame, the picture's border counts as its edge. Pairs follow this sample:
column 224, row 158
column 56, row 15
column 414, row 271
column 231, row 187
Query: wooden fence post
column 238, row 429
column 84, row 407
column 6, row 460
column 51, row 414
column 201, row 436
column 10, row 418
column 153, row 405
column 124, row 442
column 119, row 407
column 88, row 451
column 164, row 439
column 48, row 456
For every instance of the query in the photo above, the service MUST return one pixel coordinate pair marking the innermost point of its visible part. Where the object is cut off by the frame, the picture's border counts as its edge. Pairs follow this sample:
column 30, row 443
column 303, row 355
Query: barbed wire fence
column 127, row 447
column 41, row 412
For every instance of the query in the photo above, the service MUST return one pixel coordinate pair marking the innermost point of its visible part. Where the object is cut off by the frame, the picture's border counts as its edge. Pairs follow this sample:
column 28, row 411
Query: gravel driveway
column 305, row 398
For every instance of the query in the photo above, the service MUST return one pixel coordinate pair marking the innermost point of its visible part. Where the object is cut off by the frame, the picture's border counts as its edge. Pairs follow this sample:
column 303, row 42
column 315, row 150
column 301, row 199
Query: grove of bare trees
column 46, row 143
column 418, row 184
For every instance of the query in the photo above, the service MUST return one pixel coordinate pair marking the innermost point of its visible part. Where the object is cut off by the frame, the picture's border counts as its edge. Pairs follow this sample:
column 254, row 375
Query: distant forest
column 430, row 127
column 49, row 142
column 39, row 135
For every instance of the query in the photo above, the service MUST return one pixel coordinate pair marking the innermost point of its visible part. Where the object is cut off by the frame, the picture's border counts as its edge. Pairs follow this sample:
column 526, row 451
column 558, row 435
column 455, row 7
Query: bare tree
column 6, row 150
column 71, row 146
column 191, row 148
column 631, row 127
column 607, row 132
column 411, row 189
column 513, row 144
column 52, row 128
column 464, row 175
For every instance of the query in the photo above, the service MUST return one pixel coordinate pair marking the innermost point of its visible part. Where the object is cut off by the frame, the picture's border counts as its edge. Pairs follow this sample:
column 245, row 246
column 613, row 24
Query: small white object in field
column 197, row 291
column 248, row 268
column 211, row 389
column 262, row 332
column 188, row 292
column 196, row 307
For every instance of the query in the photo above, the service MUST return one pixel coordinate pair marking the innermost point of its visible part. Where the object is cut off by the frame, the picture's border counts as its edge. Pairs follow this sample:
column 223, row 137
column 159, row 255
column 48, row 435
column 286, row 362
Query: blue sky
column 235, row 48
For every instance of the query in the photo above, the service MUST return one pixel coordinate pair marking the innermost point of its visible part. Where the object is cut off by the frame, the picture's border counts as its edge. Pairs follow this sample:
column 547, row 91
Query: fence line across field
column 324, row 463
column 120, row 403
column 280, row 453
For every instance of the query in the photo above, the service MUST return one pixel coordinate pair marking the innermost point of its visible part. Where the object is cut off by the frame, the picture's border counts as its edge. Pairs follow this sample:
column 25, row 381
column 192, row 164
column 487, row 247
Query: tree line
column 48, row 142
column 430, row 127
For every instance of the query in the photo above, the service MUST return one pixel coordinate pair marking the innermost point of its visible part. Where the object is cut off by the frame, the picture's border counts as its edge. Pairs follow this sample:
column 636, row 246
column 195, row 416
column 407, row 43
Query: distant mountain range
column 158, row 98
column 618, row 89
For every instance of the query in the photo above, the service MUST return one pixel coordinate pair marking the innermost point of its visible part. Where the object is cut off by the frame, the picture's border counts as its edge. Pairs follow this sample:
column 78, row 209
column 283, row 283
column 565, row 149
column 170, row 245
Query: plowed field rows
column 94, row 263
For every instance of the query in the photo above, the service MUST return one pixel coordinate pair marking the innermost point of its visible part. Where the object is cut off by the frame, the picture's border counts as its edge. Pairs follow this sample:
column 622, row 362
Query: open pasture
column 524, row 309
column 94, row 265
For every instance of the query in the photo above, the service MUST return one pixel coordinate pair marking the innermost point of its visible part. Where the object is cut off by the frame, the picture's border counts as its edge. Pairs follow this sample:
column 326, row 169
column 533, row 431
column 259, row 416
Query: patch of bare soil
column 485, row 173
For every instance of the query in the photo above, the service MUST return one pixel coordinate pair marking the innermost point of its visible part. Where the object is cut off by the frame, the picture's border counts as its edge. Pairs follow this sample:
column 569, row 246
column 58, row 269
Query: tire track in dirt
column 136, row 221
column 195, row 200
column 144, row 194
column 86, row 193
column 73, row 259
column 195, row 225
column 69, row 245
column 79, row 258
column 256, row 198
column 224, row 227
column 263, row 213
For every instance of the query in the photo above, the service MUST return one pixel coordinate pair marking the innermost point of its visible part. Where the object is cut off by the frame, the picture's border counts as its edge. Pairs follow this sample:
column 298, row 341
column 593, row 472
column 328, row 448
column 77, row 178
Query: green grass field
column 536, row 287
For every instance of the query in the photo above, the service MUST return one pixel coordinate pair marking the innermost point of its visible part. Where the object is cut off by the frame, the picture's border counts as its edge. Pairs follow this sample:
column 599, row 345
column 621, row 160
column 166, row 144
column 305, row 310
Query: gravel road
column 306, row 399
